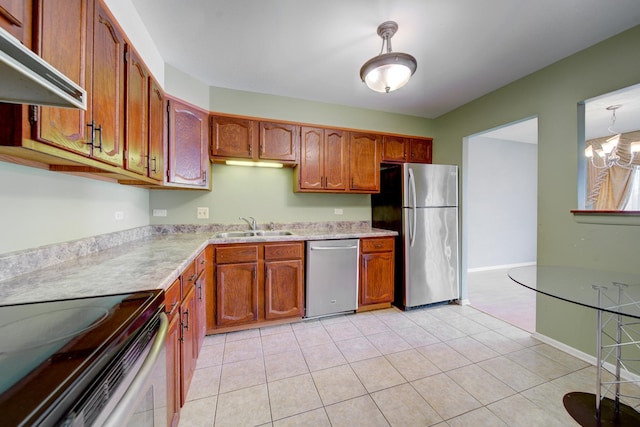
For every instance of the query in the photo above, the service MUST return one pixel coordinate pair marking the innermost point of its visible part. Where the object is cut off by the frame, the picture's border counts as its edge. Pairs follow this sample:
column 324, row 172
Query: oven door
column 132, row 391
column 142, row 401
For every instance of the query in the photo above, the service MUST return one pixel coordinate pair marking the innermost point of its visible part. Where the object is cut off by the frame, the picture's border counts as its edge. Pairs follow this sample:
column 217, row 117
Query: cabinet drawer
column 172, row 298
column 283, row 251
column 377, row 245
column 201, row 262
column 236, row 254
column 189, row 276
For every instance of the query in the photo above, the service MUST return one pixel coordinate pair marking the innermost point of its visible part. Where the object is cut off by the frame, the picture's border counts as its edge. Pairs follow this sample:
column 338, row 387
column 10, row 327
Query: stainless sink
column 273, row 233
column 257, row 233
column 231, row 234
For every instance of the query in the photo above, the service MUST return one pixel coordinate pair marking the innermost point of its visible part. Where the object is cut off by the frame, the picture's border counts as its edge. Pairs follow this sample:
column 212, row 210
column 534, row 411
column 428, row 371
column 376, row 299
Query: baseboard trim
column 500, row 267
column 585, row 357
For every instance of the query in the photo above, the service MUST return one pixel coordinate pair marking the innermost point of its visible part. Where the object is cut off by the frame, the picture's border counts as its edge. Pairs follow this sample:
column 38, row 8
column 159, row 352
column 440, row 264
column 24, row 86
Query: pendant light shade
column 391, row 70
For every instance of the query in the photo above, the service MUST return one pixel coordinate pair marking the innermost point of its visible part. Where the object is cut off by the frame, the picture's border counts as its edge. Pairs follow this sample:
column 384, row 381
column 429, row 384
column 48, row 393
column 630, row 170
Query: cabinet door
column 376, row 282
column 201, row 312
column 335, row 162
column 188, row 353
column 364, row 162
column 15, row 17
column 137, row 139
column 311, row 171
column 420, row 150
column 394, row 149
column 65, row 127
column 237, row 293
column 156, row 131
column 279, row 141
column 187, row 146
column 283, row 289
column 232, row 137
column 108, row 88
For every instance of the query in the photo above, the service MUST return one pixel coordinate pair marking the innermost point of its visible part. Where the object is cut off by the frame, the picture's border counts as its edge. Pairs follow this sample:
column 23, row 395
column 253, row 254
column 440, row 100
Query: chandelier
column 609, row 152
column 391, row 70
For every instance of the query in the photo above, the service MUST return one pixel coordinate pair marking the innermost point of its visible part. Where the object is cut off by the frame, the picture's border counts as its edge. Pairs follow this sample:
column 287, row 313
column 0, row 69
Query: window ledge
column 607, row 217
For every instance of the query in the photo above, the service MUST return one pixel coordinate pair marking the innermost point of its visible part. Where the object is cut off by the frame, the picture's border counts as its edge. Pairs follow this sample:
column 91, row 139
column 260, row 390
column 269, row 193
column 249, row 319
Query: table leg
column 591, row 410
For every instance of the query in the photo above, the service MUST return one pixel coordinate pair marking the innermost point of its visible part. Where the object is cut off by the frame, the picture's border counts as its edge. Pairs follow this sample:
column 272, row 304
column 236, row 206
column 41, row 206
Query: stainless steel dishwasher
column 332, row 277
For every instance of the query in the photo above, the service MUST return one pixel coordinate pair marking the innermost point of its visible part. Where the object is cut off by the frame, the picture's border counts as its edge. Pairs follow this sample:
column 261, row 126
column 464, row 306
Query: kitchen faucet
column 251, row 223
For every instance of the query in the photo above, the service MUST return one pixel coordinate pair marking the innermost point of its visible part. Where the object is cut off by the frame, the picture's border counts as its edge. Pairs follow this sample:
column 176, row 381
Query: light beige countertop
column 151, row 260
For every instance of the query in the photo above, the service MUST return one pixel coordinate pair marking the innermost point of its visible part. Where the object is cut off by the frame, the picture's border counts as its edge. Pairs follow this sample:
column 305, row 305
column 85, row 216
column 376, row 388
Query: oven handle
column 121, row 411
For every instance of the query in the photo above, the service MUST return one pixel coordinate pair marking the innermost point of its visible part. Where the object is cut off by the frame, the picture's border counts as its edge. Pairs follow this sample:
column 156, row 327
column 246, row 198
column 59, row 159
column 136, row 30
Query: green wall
column 38, row 207
column 552, row 95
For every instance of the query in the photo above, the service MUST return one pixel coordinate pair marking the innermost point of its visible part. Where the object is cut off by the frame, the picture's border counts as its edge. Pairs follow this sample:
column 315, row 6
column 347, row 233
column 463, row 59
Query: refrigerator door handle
column 412, row 194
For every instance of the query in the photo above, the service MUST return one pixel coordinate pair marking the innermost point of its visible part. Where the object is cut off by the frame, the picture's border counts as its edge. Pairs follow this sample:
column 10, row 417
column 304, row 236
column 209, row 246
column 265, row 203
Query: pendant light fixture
column 391, row 70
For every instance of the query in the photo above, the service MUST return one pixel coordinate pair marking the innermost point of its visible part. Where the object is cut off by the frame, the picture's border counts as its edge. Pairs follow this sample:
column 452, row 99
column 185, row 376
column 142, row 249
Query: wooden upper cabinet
column 65, row 127
column 137, row 137
column 84, row 43
column 279, row 141
column 233, row 137
column 188, row 161
column 364, row 162
column 16, row 18
column 394, row 149
column 335, row 159
column 322, row 160
column 157, row 134
column 238, row 138
column 397, row 149
column 310, row 171
column 420, row 150
column 108, row 88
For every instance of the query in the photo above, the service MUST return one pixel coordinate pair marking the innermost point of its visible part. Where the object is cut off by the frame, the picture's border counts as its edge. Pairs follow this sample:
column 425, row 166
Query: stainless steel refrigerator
column 420, row 202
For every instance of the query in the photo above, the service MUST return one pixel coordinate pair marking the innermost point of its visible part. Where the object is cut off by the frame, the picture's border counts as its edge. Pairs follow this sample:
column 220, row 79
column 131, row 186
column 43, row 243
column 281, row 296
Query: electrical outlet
column 159, row 212
column 119, row 215
column 202, row 213
column 338, row 211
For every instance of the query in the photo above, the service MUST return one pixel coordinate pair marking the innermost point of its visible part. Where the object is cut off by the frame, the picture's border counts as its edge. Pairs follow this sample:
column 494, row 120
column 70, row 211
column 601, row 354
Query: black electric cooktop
column 51, row 351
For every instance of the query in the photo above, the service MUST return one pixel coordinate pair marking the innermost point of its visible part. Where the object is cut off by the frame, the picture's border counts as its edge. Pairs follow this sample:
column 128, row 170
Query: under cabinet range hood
column 25, row 78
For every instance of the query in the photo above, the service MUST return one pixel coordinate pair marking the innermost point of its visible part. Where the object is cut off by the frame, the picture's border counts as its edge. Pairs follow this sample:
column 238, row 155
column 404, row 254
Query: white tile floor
column 446, row 365
column 494, row 293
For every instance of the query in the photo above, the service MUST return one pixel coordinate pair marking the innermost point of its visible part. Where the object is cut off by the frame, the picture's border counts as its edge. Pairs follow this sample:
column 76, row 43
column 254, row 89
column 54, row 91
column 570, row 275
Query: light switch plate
column 338, row 211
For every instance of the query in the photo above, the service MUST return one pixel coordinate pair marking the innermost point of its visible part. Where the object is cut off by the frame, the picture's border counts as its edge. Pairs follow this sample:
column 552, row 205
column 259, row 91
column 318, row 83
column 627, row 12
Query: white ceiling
column 313, row 49
column 525, row 131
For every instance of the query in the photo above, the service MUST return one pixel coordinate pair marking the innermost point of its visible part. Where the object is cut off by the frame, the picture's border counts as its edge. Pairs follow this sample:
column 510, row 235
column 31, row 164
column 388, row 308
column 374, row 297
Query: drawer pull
column 173, row 307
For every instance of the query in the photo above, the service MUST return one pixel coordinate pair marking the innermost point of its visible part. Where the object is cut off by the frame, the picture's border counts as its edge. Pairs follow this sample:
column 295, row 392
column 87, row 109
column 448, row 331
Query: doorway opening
column 499, row 232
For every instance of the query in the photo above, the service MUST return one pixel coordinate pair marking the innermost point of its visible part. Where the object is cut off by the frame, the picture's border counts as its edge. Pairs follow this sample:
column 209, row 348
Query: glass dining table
column 616, row 299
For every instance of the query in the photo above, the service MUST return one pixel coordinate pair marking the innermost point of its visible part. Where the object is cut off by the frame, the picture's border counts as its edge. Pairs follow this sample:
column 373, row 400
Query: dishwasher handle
column 332, row 248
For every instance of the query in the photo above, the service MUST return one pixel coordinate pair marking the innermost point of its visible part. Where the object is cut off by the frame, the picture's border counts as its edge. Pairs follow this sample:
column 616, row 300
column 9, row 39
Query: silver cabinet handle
column 332, row 248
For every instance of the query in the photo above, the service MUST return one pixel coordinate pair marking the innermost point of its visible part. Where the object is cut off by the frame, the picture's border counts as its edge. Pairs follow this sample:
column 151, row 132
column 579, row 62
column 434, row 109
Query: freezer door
column 430, row 185
column 431, row 255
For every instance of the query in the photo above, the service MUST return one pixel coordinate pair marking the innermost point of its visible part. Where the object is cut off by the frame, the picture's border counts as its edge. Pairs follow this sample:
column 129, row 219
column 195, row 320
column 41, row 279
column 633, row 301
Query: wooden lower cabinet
column 185, row 307
column 237, row 292
column 376, row 272
column 257, row 283
column 283, row 280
